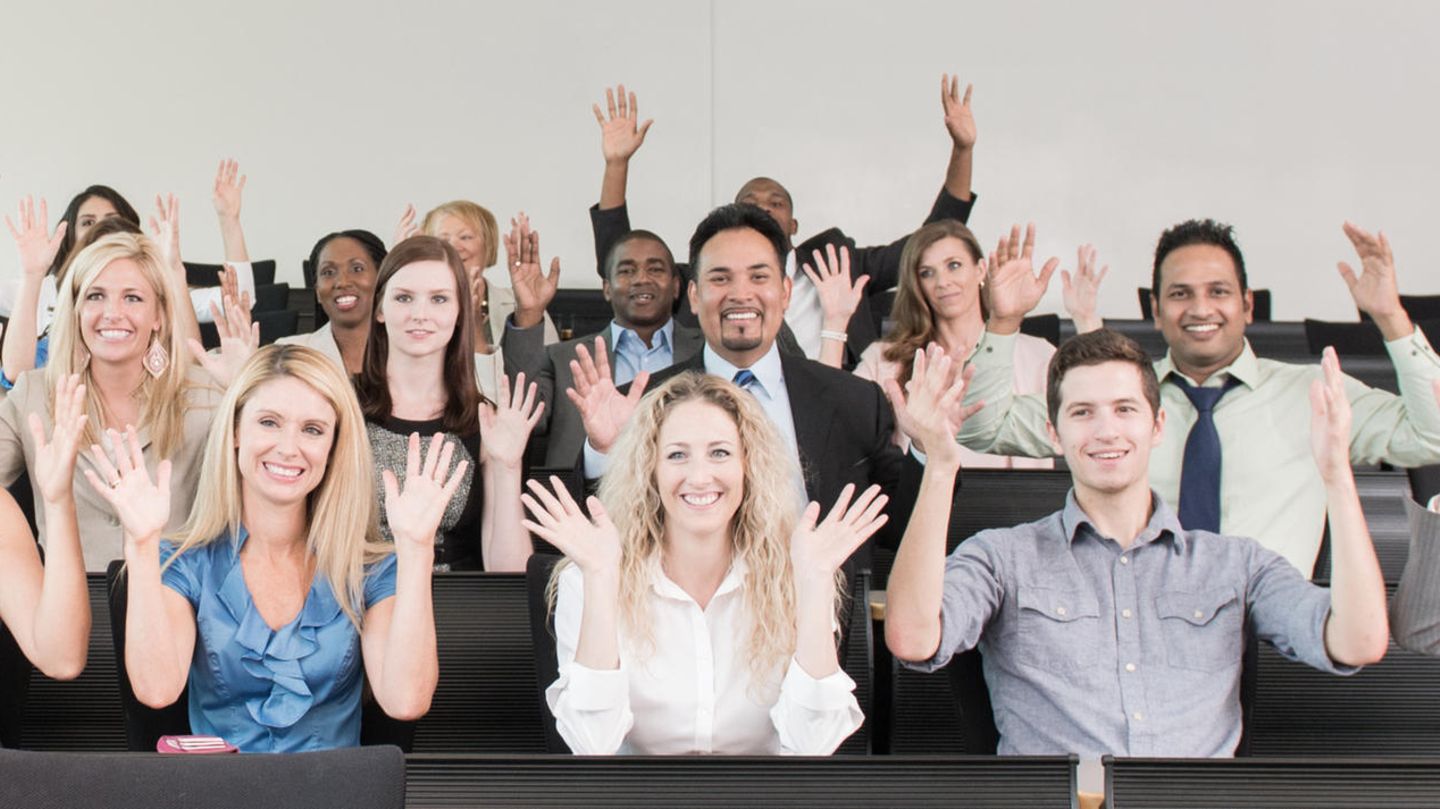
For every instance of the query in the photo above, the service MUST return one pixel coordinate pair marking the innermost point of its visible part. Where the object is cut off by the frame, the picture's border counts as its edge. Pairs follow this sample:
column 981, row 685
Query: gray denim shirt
column 1092, row 649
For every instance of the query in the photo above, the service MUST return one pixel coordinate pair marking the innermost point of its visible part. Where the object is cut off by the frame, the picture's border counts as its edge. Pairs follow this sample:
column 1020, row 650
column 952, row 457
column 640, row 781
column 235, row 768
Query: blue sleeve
column 42, row 356
column 380, row 581
column 184, row 575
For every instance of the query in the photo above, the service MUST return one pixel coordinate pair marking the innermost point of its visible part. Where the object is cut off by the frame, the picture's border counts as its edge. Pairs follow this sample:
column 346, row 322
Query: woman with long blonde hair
column 698, row 611
column 117, row 327
column 278, row 587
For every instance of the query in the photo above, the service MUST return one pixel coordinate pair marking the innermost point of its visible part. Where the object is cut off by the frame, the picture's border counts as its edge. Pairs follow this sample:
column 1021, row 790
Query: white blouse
column 692, row 692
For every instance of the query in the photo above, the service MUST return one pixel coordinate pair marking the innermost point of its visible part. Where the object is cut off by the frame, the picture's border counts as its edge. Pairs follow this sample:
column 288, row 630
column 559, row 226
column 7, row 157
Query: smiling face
column 283, row 437
column 949, row 278
column 1201, row 309
column 739, row 295
column 467, row 241
column 345, row 281
column 1106, row 428
column 420, row 308
column 700, row 471
column 119, row 313
column 643, row 284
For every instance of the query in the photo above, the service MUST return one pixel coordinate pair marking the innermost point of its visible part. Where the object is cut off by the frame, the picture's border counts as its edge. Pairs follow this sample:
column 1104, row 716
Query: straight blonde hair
column 163, row 398
column 477, row 217
column 342, row 531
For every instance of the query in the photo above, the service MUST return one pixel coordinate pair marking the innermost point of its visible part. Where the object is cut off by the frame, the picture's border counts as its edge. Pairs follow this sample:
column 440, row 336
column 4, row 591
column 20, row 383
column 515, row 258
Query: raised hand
column 37, row 250
column 1083, row 290
column 839, row 296
column 931, row 410
column 591, row 542
column 228, row 189
column 1330, row 420
column 53, row 472
column 142, row 505
column 1374, row 288
column 619, row 135
column 230, row 287
column 603, row 409
column 165, row 229
column 817, row 550
column 405, row 226
column 533, row 289
column 239, row 338
column 414, row 513
column 959, row 118
column 505, row 427
column 1012, row 288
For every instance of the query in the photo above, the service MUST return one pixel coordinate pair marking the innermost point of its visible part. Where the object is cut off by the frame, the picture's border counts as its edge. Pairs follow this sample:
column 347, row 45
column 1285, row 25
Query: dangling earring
column 157, row 359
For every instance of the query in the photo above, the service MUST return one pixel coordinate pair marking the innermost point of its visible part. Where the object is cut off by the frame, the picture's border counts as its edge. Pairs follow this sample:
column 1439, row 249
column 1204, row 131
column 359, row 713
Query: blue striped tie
column 744, row 379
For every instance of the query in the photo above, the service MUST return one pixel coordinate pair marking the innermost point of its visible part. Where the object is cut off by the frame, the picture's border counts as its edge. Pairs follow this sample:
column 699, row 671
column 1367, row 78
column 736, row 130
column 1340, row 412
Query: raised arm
column 398, row 634
column 159, row 622
column 165, row 229
column 1082, row 290
column 229, row 188
column 37, row 251
column 504, row 430
column 960, row 123
column 1358, row 631
column 839, row 296
column 534, row 290
column 47, row 608
column 620, row 137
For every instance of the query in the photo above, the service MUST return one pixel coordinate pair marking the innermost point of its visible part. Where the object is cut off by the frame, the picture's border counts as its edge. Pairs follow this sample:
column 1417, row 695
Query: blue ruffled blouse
column 263, row 690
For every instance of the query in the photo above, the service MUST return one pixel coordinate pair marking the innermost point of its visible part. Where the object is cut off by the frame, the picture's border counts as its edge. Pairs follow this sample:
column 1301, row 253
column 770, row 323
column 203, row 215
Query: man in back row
column 1107, row 628
column 1235, row 458
column 808, row 317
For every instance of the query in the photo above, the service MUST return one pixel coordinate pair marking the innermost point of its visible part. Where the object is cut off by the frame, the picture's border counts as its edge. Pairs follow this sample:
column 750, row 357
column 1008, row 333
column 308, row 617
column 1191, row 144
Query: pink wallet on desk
column 194, row 745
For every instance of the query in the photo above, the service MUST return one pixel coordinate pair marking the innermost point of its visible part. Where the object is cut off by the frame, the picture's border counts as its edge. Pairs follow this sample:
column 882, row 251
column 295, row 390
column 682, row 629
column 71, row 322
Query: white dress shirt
column 691, row 690
column 804, row 315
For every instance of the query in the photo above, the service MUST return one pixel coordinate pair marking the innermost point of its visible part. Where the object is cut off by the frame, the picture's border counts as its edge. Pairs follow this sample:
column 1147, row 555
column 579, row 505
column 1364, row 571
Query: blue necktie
column 1200, row 470
column 744, row 379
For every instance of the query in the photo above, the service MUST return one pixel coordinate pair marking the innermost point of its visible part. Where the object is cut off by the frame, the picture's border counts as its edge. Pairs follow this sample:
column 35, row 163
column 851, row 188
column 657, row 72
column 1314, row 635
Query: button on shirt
column 630, row 355
column 691, row 689
column 1095, row 649
column 1264, row 427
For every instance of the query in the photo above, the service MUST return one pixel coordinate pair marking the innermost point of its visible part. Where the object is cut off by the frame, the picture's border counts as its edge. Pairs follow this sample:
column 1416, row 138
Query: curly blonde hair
column 760, row 531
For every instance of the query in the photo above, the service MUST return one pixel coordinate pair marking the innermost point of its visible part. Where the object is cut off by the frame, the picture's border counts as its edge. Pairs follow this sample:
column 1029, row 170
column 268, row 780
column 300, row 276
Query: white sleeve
column 814, row 716
column 202, row 297
column 591, row 708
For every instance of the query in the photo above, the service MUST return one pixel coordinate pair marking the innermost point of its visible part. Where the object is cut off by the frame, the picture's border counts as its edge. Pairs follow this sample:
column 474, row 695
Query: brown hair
column 462, row 405
column 914, row 323
column 1095, row 348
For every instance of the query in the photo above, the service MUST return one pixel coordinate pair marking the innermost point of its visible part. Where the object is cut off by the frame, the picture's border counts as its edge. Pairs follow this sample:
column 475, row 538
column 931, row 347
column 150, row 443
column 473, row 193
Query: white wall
column 1103, row 122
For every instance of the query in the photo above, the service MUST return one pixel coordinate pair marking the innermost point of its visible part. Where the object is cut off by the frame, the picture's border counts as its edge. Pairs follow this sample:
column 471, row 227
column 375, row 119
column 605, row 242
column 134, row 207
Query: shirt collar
column 665, row 335
column 768, row 370
column 665, row 587
column 1162, row 522
column 1245, row 368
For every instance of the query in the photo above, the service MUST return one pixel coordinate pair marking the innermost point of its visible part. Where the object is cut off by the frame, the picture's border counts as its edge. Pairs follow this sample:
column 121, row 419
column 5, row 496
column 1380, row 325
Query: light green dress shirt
column 1270, row 488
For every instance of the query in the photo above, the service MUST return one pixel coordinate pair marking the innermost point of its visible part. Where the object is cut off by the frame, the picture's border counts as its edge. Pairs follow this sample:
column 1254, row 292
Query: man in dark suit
column 621, row 136
column 840, row 426
column 641, row 285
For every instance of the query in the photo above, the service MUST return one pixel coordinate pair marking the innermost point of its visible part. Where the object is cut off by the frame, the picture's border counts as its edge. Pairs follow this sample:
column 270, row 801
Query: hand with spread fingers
column 228, row 190
column 413, row 511
column 121, row 479
column 1082, row 290
column 37, row 249
column 534, row 290
column 1374, row 287
column 930, row 411
column 839, row 297
column 53, row 472
column 505, row 426
column 959, row 118
column 819, row 549
column 165, row 229
column 591, row 542
column 239, row 338
column 405, row 226
column 1012, row 287
column 620, row 136
column 603, row 409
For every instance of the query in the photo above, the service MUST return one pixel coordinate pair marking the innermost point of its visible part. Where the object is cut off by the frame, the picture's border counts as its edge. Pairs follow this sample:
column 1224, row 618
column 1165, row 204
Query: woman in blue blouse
column 278, row 586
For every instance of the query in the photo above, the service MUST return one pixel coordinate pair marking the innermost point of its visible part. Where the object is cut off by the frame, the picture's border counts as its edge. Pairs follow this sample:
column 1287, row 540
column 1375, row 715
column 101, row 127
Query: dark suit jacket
column 844, row 429
column 549, row 367
column 881, row 263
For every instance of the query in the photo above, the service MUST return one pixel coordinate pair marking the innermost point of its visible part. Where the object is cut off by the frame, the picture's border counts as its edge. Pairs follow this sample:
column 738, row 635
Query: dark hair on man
column 1094, row 348
column 1198, row 231
column 125, row 210
column 735, row 216
column 612, row 257
column 310, row 267
column 461, row 415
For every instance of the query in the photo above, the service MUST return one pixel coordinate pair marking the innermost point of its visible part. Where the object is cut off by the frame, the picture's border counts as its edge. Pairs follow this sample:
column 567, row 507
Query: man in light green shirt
column 1269, row 488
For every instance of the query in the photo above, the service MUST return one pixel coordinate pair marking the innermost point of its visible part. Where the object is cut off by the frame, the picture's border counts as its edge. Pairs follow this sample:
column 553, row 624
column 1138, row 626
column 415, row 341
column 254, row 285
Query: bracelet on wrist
column 828, row 334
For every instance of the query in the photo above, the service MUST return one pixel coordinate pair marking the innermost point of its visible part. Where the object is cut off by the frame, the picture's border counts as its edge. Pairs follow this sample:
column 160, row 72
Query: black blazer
column 881, row 263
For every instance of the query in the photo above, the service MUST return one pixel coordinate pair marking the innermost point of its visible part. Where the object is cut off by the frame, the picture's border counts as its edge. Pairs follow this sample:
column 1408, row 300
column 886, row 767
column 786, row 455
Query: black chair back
column 1241, row 783
column 356, row 778
column 143, row 725
column 542, row 636
column 208, row 275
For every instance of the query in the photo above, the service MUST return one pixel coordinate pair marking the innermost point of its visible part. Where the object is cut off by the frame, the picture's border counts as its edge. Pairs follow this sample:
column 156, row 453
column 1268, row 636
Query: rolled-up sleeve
column 972, row 594
column 1289, row 612
column 813, row 716
column 591, row 707
column 1405, row 429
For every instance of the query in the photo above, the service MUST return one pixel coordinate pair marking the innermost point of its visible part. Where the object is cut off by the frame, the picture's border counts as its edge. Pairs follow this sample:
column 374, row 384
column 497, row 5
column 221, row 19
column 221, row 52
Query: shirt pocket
column 1203, row 631
column 1058, row 630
